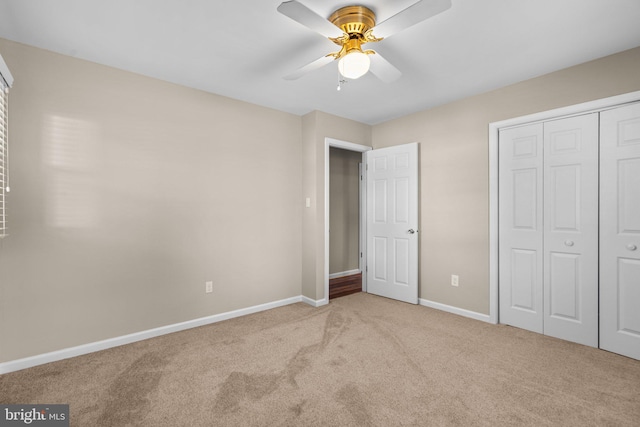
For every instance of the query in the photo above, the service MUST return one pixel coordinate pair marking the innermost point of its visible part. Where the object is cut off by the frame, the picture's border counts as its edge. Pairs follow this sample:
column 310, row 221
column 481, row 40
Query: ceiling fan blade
column 312, row 66
column 418, row 12
column 382, row 69
column 307, row 17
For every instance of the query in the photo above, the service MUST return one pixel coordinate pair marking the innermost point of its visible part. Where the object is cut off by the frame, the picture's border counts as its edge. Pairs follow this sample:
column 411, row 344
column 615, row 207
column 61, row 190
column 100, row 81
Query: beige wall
column 315, row 127
column 129, row 193
column 454, row 187
column 344, row 210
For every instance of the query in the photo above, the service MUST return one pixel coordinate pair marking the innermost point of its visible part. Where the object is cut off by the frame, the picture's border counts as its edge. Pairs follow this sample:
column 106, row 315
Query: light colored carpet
column 361, row 360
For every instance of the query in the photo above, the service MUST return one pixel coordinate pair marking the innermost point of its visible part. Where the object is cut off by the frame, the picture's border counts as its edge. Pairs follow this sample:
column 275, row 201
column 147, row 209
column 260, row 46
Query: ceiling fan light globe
column 354, row 65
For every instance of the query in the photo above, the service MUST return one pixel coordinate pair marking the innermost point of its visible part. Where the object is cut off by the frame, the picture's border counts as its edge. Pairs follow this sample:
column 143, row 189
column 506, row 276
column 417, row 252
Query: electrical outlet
column 454, row 280
column 208, row 287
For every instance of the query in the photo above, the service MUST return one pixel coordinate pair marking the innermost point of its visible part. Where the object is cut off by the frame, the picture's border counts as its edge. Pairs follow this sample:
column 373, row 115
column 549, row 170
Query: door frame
column 350, row 146
column 494, row 129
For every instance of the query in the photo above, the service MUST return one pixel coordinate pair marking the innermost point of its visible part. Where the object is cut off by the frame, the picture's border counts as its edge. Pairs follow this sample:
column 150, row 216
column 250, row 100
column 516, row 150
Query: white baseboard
column 41, row 359
column 456, row 310
column 315, row 303
column 343, row 273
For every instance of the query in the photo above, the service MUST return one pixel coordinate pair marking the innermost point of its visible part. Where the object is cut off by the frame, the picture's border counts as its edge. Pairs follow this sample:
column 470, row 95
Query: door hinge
column 360, row 254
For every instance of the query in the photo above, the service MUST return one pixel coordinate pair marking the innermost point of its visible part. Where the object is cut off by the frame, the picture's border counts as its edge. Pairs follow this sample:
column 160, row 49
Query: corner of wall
column 316, row 126
column 309, row 211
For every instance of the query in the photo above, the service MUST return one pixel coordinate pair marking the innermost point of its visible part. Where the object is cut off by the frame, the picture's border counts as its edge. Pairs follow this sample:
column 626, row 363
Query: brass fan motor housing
column 356, row 22
column 354, row 19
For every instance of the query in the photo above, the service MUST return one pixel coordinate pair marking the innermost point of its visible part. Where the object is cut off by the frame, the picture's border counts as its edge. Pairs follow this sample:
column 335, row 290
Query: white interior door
column 392, row 222
column 571, row 229
column 620, row 230
column 521, row 231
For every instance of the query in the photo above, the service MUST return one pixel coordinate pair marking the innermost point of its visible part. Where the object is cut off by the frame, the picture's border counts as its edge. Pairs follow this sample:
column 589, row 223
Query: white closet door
column 620, row 230
column 521, row 231
column 571, row 229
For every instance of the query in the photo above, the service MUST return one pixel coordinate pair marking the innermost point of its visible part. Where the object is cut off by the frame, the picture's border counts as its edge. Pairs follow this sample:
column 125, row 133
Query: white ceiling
column 241, row 49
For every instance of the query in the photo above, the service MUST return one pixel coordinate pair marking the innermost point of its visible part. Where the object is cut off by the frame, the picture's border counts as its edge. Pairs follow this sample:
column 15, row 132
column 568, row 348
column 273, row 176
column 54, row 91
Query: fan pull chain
column 341, row 81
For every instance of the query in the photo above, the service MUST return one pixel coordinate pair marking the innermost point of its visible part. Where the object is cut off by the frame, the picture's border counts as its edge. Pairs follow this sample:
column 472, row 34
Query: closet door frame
column 494, row 129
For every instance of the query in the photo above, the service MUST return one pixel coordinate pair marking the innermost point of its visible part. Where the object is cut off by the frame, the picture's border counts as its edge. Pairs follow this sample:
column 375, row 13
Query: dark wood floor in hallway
column 346, row 285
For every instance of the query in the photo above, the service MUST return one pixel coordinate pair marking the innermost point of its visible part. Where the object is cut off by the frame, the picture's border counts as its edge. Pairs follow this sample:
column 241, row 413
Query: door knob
column 632, row 247
column 411, row 231
column 568, row 242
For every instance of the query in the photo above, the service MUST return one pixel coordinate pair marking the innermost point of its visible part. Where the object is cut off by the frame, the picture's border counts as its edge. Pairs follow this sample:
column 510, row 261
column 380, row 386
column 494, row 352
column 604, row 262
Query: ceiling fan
column 352, row 26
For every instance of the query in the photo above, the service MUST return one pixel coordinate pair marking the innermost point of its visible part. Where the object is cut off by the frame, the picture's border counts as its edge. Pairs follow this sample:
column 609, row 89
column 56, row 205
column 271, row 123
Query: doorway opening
column 345, row 275
column 345, row 255
column 388, row 220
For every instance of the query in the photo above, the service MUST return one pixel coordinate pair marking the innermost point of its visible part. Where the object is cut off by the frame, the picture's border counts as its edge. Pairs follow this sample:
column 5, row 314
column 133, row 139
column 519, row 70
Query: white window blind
column 5, row 82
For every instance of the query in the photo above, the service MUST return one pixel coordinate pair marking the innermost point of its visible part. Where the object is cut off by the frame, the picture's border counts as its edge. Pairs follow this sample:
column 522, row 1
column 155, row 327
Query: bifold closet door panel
column 620, row 230
column 571, row 229
column 521, row 232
